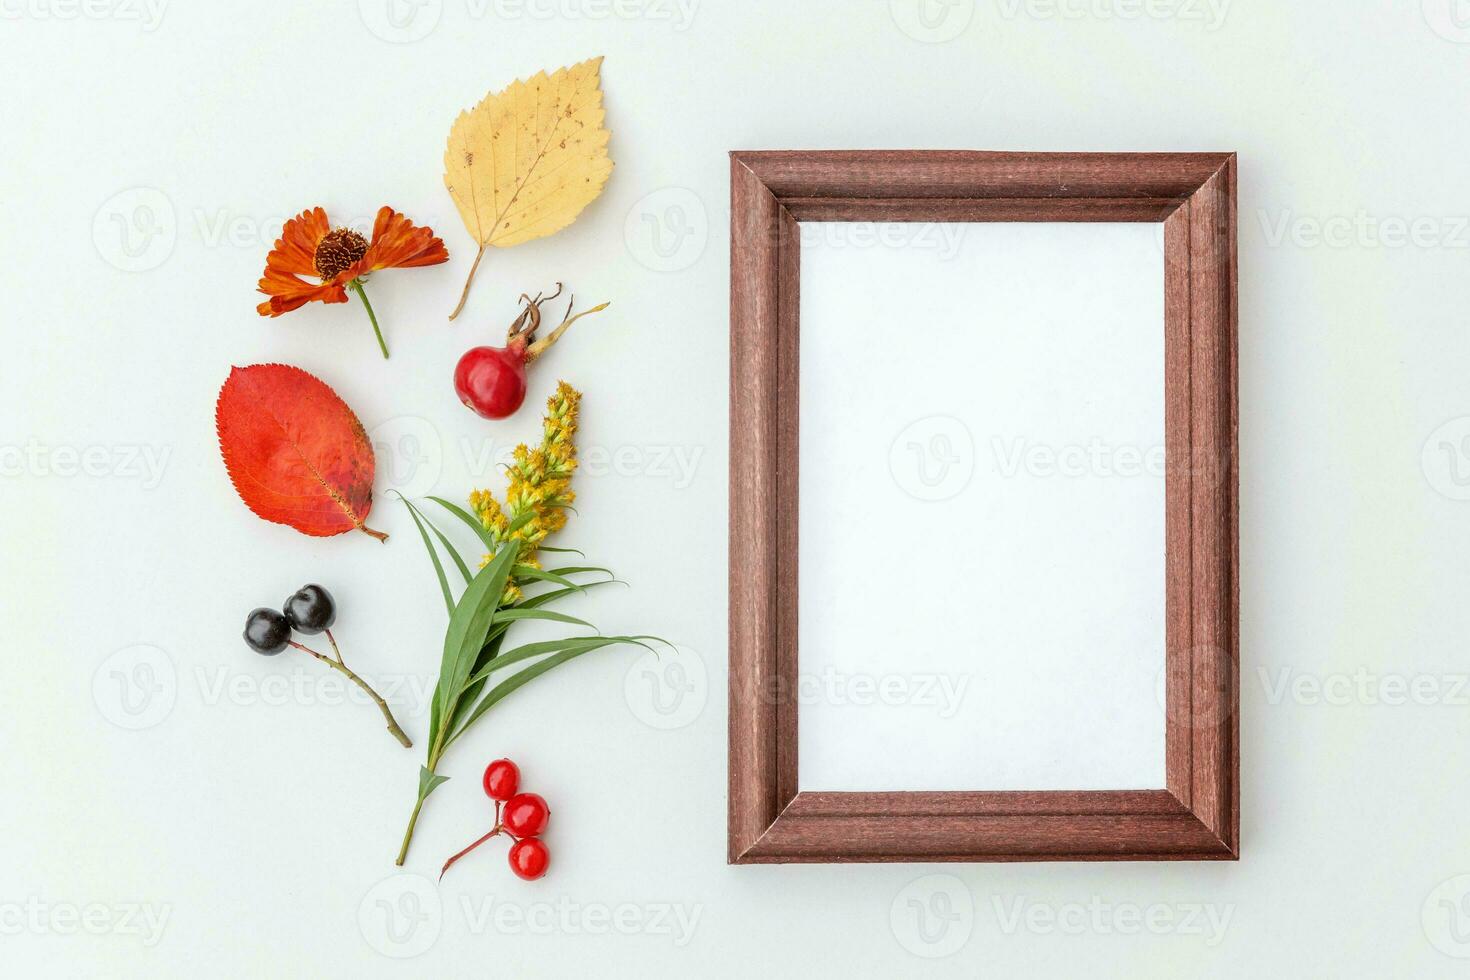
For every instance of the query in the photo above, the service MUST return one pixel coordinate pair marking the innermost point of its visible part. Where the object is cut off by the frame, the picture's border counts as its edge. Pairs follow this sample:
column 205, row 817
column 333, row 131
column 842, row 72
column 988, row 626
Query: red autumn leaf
column 295, row 452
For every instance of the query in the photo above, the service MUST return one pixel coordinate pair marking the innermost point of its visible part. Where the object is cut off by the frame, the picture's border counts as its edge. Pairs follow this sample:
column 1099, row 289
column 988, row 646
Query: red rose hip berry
column 529, row 858
column 492, row 380
column 502, row 778
column 526, row 815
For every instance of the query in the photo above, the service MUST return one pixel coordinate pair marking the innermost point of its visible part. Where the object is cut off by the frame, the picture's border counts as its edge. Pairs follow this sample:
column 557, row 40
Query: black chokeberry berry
column 266, row 631
column 310, row 610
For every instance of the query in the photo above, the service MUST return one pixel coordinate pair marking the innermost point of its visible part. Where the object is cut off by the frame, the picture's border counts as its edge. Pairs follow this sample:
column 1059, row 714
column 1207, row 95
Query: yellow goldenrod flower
column 540, row 485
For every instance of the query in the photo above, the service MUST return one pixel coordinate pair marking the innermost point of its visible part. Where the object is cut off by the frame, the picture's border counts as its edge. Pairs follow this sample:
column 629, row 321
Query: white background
column 970, row 397
column 262, row 830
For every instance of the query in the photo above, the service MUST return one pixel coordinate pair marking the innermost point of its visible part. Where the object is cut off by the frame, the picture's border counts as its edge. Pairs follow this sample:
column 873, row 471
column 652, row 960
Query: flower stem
column 382, row 705
column 356, row 286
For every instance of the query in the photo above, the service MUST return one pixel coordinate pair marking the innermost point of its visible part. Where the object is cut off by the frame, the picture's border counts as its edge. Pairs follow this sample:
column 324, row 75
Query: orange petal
column 398, row 244
column 287, row 293
column 295, row 250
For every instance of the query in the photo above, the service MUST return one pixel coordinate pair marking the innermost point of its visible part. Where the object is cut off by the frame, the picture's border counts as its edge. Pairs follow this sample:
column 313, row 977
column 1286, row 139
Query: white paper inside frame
column 982, row 507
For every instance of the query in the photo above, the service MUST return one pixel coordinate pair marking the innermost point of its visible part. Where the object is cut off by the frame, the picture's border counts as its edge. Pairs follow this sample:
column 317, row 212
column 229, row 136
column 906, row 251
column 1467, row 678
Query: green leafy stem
column 474, row 641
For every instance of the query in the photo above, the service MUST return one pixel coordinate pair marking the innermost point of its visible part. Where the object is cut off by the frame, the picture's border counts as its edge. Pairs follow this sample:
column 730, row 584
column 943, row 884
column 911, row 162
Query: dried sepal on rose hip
column 341, row 259
column 520, row 816
column 491, row 381
column 310, row 610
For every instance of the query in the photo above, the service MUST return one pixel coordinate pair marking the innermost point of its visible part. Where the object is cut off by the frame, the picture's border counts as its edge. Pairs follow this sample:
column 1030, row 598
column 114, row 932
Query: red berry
column 526, row 815
column 492, row 380
column 529, row 858
column 501, row 779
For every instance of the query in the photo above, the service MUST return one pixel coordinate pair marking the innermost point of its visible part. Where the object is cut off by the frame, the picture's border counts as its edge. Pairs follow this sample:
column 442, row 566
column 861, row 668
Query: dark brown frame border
column 1197, row 816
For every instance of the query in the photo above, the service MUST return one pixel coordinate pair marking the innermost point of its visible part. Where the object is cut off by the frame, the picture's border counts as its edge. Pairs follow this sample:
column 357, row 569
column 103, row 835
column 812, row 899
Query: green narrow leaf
column 448, row 546
column 469, row 521
column 473, row 687
column 433, row 556
column 529, row 650
column 531, row 573
column 512, row 683
column 436, row 712
column 514, row 613
column 564, row 551
column 548, row 597
column 575, row 569
column 469, row 625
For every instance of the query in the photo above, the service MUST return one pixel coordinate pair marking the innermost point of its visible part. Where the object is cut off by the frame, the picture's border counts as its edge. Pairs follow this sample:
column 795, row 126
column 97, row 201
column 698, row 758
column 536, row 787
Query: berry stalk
column 337, row 665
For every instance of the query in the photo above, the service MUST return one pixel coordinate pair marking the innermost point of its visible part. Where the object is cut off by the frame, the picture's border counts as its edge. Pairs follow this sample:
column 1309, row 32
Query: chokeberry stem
column 382, row 705
column 333, row 640
column 356, row 286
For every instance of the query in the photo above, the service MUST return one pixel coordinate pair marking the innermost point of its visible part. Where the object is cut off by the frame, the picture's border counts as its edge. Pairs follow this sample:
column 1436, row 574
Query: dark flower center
column 338, row 250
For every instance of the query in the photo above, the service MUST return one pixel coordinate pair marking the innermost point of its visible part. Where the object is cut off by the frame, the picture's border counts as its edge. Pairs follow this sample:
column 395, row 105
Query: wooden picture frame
column 1196, row 817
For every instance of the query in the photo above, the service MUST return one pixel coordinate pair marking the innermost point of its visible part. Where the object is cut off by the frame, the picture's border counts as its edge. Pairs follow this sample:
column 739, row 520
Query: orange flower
column 341, row 259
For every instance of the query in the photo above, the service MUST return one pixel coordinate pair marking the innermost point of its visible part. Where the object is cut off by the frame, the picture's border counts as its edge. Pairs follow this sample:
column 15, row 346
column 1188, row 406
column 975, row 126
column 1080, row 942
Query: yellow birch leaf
column 524, row 162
